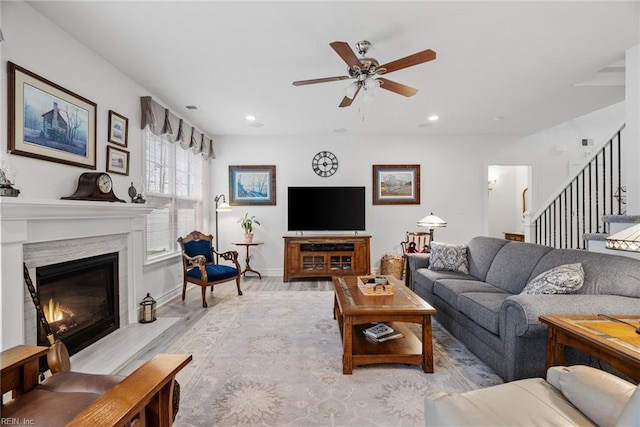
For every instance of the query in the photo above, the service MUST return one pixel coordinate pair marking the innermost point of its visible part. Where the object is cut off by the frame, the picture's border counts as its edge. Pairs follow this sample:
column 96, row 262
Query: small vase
column 248, row 237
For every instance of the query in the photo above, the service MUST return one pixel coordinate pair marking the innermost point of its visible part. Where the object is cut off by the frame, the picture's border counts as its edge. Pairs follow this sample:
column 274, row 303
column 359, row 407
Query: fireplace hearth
column 80, row 300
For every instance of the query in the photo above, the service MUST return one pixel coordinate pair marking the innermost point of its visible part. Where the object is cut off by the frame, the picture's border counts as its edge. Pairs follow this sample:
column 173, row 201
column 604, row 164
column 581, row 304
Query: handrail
column 583, row 199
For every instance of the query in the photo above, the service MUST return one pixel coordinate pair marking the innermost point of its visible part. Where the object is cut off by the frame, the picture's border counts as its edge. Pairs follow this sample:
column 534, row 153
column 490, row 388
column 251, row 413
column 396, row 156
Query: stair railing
column 578, row 208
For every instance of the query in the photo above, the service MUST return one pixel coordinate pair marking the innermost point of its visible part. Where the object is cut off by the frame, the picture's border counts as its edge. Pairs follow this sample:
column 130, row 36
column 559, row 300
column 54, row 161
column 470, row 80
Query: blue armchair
column 200, row 267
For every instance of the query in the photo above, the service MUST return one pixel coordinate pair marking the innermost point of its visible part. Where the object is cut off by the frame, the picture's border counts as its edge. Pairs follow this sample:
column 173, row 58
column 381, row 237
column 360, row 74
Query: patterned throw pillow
column 445, row 256
column 563, row 279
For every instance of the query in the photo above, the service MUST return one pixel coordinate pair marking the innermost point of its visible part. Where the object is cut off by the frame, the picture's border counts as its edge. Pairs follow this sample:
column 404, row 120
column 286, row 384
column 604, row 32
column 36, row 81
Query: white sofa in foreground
column 570, row 396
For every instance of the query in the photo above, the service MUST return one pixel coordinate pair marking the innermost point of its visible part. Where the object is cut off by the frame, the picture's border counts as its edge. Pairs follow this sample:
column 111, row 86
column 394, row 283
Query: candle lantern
column 148, row 309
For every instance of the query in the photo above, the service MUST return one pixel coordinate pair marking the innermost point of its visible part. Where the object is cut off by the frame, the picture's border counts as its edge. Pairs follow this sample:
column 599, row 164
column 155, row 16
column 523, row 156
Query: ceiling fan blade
column 346, row 53
column 322, row 80
column 346, row 101
column 409, row 61
column 397, row 87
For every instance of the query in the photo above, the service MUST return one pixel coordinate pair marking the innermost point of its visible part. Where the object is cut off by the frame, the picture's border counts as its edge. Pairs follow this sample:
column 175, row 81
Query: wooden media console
column 326, row 256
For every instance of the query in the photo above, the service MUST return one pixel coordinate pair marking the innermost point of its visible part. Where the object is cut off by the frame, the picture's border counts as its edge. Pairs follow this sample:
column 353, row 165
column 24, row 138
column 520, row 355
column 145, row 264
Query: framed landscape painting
column 118, row 128
column 117, row 160
column 396, row 184
column 252, row 185
column 49, row 122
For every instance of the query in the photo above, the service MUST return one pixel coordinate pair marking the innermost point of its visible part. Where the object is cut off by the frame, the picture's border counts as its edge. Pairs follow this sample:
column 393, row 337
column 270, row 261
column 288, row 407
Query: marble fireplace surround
column 41, row 232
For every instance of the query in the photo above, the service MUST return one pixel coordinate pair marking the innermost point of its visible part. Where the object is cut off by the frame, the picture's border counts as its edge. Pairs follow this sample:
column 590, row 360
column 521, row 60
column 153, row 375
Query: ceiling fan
column 366, row 71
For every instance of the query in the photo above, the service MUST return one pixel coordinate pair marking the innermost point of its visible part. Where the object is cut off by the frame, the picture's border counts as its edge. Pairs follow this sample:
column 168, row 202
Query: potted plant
column 247, row 225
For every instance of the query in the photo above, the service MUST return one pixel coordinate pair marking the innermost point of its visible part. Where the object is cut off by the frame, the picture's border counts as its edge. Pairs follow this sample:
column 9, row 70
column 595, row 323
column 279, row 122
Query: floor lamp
column 222, row 207
column 431, row 221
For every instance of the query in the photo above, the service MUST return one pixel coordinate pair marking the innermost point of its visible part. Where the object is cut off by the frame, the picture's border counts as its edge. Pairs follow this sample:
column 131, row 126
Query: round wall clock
column 325, row 164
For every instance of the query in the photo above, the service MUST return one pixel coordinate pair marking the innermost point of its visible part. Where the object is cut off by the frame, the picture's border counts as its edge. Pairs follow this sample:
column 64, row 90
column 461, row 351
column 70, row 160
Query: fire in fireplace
column 80, row 300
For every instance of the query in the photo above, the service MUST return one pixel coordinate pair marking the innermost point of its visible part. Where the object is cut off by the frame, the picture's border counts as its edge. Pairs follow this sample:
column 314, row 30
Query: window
column 173, row 178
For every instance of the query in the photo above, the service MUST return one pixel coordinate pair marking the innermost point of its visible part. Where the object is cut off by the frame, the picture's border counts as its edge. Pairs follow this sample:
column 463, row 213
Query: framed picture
column 49, row 122
column 396, row 184
column 252, row 185
column 118, row 128
column 117, row 160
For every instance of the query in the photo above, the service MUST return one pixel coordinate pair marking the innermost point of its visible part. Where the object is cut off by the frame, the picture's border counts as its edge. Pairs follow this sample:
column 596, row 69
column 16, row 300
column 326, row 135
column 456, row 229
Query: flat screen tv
column 326, row 209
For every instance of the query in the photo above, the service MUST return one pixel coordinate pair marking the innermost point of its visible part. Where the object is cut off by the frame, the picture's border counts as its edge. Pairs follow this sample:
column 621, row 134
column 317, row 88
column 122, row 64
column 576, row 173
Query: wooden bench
column 143, row 398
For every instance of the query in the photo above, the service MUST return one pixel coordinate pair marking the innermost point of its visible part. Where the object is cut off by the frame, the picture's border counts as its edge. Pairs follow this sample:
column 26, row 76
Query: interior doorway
column 509, row 196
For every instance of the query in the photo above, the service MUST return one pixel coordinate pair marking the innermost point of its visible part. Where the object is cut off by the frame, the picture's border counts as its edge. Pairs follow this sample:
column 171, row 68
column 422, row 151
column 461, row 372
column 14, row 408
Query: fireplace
column 80, row 300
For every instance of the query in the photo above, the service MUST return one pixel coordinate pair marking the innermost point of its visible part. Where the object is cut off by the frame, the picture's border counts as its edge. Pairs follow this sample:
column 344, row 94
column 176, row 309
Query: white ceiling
column 501, row 68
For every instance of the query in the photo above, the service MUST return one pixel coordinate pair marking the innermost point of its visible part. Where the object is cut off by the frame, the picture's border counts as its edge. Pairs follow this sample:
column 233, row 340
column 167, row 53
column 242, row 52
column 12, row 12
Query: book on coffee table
column 378, row 330
column 391, row 336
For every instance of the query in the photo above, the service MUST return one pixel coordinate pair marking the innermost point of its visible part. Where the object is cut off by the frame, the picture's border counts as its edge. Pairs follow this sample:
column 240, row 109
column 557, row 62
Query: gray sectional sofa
column 485, row 310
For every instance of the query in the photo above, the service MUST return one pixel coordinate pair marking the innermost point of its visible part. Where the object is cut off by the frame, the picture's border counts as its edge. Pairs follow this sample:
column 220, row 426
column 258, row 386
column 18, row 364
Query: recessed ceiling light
column 191, row 107
column 340, row 130
column 250, row 117
column 498, row 118
column 433, row 118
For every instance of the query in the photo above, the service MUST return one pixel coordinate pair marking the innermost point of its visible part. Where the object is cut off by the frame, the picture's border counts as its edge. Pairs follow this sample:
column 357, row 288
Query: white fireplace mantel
column 25, row 221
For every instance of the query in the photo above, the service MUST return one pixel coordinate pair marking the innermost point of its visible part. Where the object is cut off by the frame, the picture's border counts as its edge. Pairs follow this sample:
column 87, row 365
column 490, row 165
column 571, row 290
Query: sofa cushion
column 446, row 256
column 511, row 268
column 563, row 279
column 604, row 274
column 53, row 409
column 483, row 308
column 599, row 395
column 450, row 289
column 482, row 250
column 530, row 402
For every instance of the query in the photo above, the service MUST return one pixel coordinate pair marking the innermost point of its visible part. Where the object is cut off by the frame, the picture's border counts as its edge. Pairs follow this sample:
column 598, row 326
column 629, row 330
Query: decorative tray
column 375, row 285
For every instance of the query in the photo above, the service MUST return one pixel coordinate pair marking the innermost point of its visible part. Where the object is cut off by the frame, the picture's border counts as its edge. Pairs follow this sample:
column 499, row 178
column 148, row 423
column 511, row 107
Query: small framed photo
column 252, row 185
column 118, row 128
column 117, row 160
column 396, row 184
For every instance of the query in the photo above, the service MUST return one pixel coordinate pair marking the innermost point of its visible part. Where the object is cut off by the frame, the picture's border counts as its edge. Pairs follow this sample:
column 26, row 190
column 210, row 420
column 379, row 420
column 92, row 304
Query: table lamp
column 431, row 221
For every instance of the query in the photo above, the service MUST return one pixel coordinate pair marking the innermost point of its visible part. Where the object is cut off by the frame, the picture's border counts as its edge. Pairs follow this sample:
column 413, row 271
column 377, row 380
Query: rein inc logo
column 8, row 421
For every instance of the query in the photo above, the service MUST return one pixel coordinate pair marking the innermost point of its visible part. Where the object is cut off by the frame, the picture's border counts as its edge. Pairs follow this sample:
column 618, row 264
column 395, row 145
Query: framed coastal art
column 396, row 184
column 117, row 160
column 118, row 128
column 252, row 185
column 49, row 122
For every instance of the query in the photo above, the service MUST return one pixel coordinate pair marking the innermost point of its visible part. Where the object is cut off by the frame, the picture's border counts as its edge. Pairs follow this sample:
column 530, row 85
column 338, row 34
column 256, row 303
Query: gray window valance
column 163, row 122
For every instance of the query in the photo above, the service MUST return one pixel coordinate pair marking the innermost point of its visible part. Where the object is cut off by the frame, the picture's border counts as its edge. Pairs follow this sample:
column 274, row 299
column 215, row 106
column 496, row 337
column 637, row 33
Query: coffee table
column 611, row 342
column 354, row 312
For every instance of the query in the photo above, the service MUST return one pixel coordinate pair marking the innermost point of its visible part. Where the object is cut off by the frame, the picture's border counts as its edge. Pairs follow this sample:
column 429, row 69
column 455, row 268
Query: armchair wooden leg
column 204, row 296
column 211, row 288
column 184, row 289
column 238, row 285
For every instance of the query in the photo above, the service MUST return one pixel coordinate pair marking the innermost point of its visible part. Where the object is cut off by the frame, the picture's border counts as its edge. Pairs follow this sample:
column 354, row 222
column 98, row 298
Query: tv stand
column 326, row 256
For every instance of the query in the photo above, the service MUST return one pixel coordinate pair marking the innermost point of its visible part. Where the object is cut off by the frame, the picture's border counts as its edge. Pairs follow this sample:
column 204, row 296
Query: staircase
column 586, row 209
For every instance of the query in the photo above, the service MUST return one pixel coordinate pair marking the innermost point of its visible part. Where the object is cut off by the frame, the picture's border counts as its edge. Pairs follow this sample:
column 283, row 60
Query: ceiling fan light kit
column 366, row 72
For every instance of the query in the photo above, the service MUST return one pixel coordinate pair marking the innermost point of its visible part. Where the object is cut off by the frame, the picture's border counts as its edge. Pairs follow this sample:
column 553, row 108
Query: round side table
column 247, row 259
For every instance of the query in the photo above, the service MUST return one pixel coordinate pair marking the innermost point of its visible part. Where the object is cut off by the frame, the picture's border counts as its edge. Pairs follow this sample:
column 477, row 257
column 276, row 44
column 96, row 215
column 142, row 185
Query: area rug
column 275, row 359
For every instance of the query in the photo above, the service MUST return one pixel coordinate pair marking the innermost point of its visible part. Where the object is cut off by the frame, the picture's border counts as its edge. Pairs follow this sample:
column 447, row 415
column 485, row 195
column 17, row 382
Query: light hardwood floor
column 190, row 310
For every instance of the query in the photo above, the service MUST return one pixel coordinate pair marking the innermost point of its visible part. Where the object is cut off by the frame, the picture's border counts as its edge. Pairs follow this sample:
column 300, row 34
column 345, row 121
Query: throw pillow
column 445, row 256
column 563, row 279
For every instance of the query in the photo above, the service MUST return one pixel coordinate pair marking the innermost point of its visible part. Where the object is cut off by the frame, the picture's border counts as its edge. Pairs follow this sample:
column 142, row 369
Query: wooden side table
column 611, row 342
column 248, row 258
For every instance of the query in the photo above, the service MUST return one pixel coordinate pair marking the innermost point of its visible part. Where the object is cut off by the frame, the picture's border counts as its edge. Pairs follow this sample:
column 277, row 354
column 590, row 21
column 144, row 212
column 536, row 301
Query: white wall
column 553, row 153
column 505, row 199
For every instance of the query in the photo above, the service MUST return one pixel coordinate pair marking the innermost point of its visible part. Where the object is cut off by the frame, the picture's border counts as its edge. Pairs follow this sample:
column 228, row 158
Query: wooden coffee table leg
column 347, row 345
column 427, row 345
